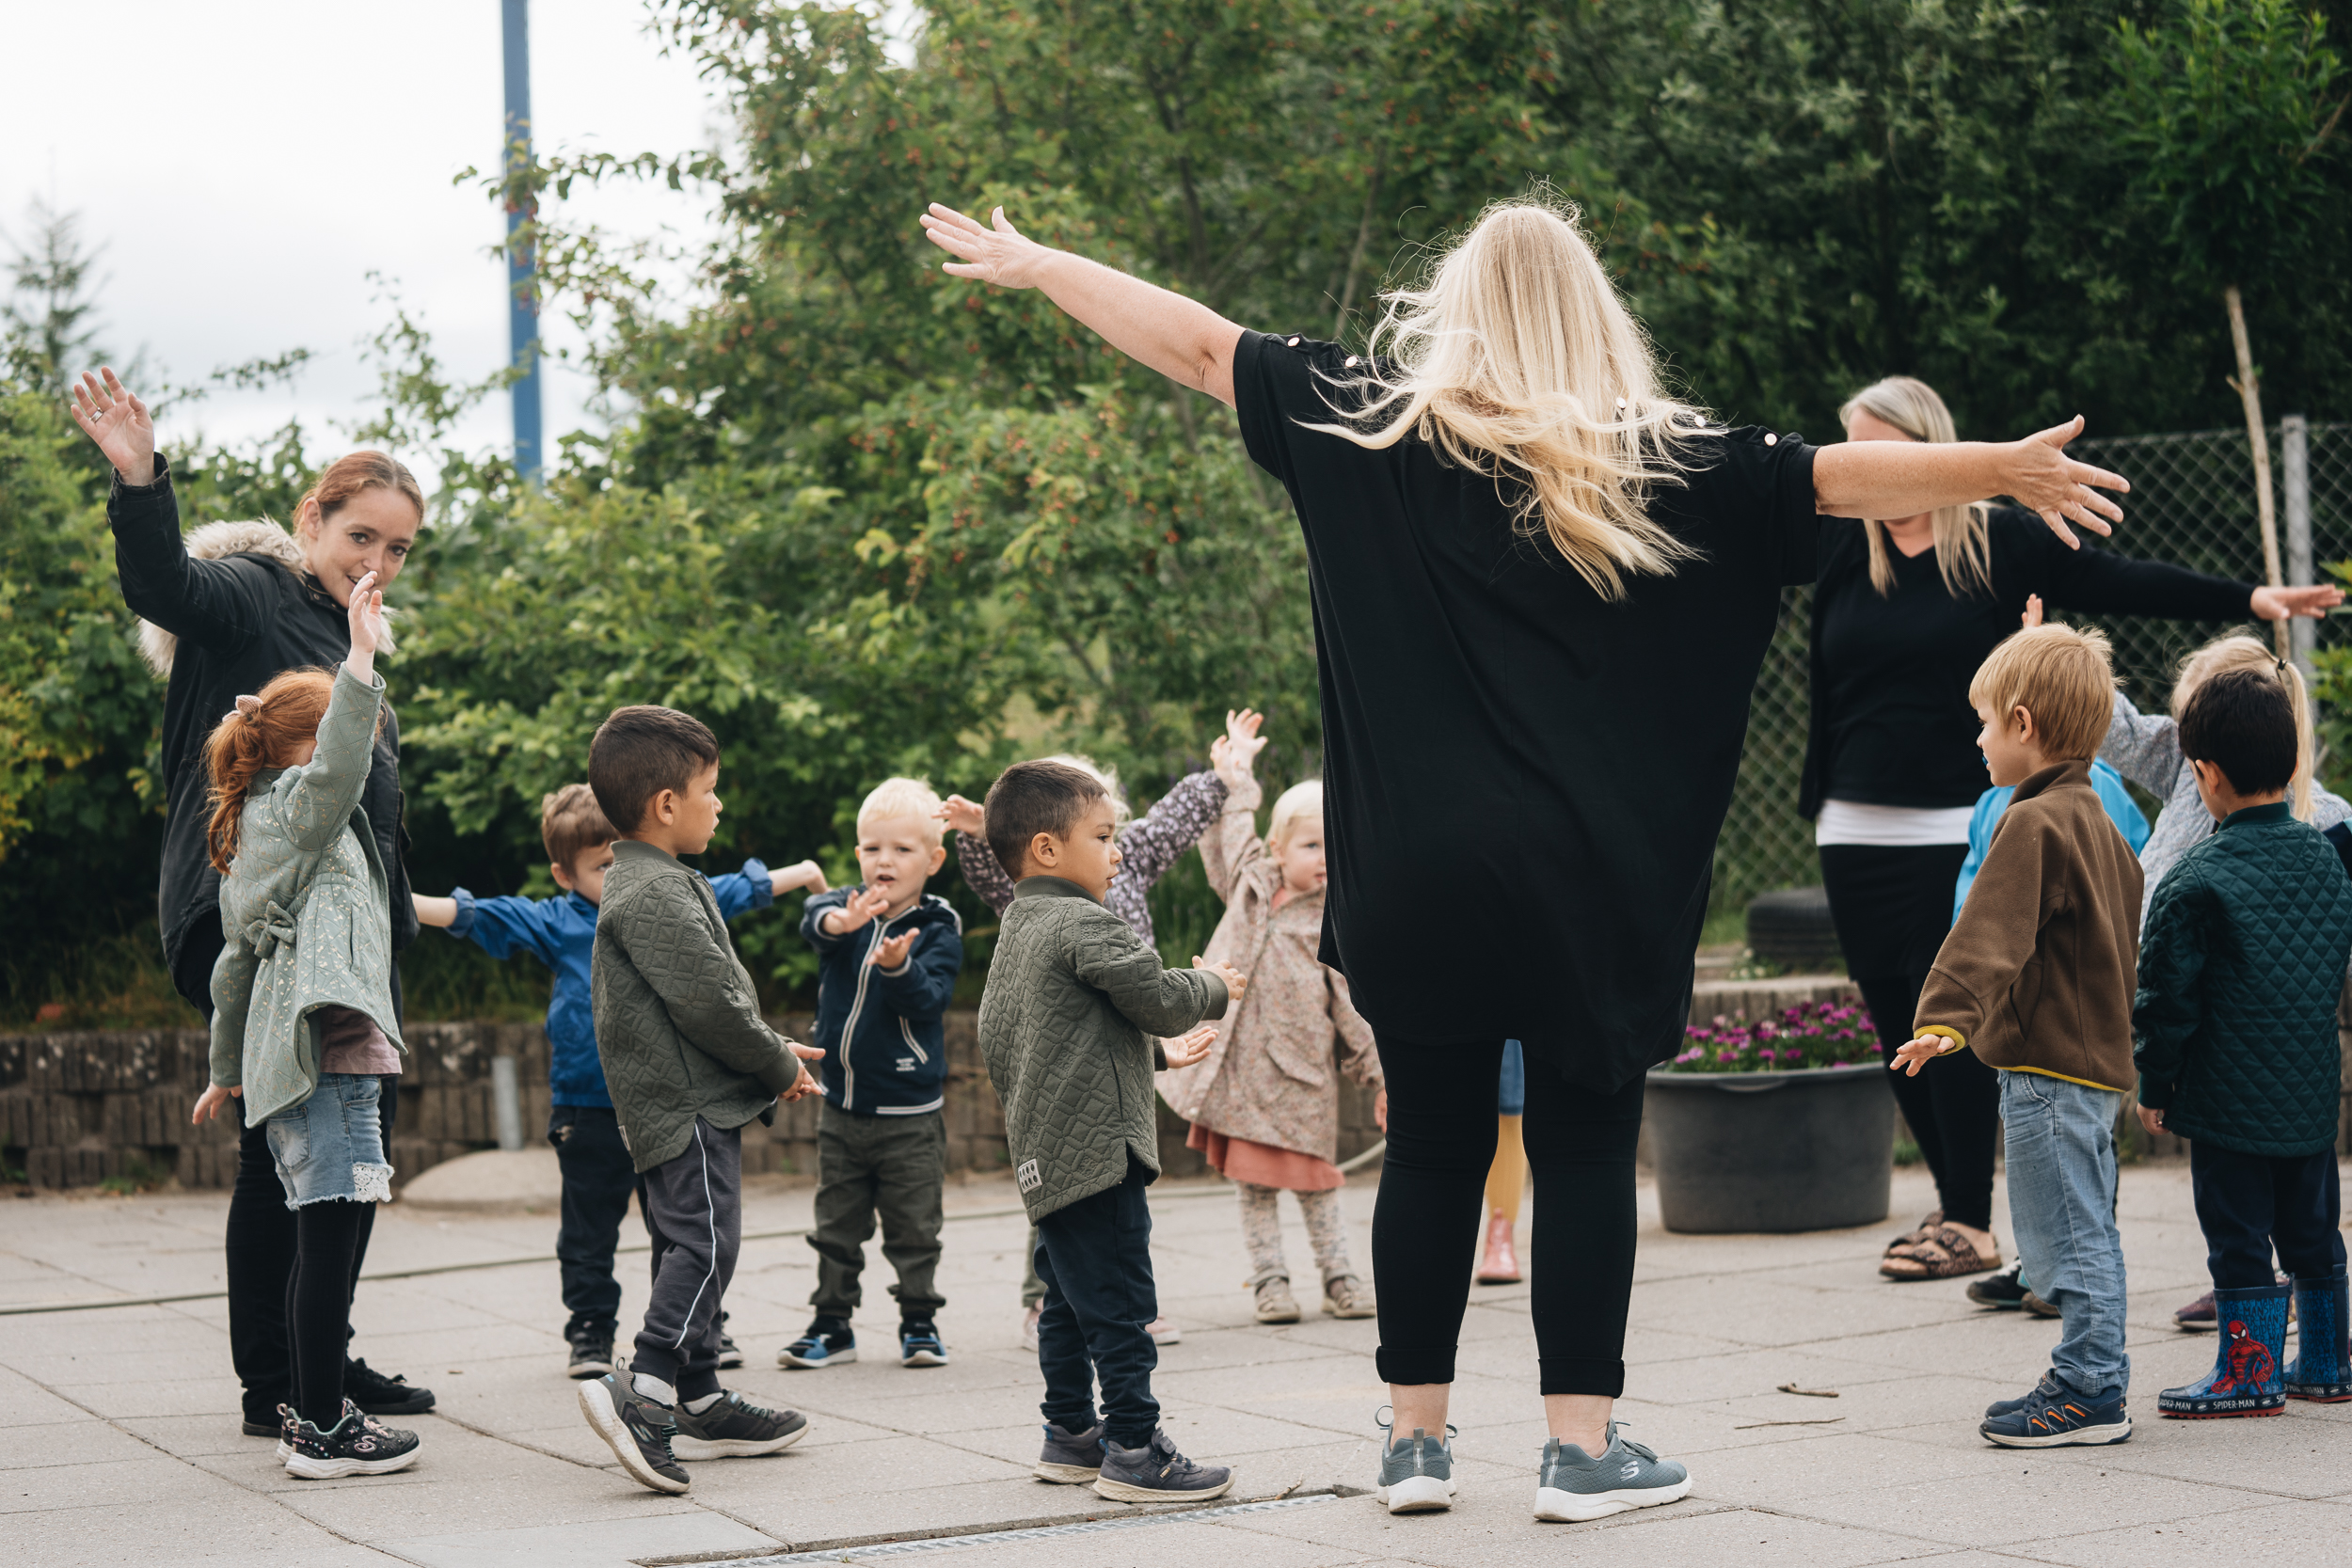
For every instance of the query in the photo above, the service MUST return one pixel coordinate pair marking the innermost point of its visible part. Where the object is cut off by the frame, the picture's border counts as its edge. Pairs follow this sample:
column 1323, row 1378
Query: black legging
column 1893, row 907
column 318, row 1303
column 1433, row 1184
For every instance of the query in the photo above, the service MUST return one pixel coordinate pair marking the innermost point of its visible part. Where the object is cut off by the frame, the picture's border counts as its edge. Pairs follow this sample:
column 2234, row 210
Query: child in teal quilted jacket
column 2240, row 969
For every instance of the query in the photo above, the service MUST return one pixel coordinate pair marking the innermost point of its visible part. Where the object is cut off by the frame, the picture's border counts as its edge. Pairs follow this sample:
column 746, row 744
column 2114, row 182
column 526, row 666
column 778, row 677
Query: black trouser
column 1893, row 907
column 1095, row 1257
column 598, row 1176
column 694, row 1209
column 262, row 1237
column 2246, row 1202
column 1432, row 1182
column 328, row 1237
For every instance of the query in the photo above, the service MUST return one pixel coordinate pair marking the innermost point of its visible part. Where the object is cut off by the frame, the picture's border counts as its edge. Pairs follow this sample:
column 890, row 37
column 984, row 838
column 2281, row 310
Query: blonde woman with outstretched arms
column 1542, row 589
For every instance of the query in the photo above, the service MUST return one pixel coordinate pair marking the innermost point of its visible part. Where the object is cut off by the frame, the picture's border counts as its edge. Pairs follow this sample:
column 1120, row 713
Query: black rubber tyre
column 1792, row 928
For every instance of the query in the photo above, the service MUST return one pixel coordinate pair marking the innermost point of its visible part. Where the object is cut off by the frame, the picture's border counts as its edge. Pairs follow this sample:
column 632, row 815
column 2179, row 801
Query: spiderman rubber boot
column 2245, row 1379
column 2321, row 1369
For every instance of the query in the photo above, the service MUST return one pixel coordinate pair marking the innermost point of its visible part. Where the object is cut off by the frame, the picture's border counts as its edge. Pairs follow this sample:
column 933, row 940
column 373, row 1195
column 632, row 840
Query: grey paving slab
column 2294, row 1533
column 2019, row 1495
column 607, row 1544
column 2284, row 1455
column 131, row 1483
column 87, row 1441
column 1168, row 1544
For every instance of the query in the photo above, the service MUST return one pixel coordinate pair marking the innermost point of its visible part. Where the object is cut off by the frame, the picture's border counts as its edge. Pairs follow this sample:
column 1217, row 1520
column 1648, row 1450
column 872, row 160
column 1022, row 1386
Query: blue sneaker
column 1416, row 1475
column 1574, row 1486
column 920, row 1344
column 826, row 1342
column 2053, row 1415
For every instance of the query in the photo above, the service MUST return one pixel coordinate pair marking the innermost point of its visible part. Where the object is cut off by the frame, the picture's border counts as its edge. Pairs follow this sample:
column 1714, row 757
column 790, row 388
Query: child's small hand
column 804, row 874
column 1235, row 981
column 2151, row 1118
column 1917, row 1053
column 808, row 1083
column 963, row 816
column 1380, row 1110
column 861, row 908
column 891, row 952
column 366, row 615
column 212, row 1102
column 1186, row 1049
column 2032, row 617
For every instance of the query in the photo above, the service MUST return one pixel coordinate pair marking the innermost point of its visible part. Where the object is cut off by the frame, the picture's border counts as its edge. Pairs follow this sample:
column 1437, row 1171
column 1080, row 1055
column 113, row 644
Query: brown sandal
column 1959, row 1258
column 1927, row 1227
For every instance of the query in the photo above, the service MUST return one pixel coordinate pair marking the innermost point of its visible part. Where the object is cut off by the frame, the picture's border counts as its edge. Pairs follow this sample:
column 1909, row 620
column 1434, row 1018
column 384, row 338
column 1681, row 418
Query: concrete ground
column 118, row 1437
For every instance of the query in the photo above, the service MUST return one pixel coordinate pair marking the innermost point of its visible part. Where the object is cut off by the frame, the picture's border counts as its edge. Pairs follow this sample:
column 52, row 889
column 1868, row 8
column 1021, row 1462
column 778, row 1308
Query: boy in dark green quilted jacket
column 1074, row 994
column 2240, row 970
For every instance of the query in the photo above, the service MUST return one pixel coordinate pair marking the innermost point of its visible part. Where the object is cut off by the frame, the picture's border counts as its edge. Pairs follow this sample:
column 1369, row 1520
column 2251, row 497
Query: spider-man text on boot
column 2245, row 1378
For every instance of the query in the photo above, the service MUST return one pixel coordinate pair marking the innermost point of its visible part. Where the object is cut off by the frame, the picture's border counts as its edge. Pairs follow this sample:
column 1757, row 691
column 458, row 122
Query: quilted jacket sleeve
column 671, row 938
column 2169, row 1009
column 315, row 802
column 1113, row 960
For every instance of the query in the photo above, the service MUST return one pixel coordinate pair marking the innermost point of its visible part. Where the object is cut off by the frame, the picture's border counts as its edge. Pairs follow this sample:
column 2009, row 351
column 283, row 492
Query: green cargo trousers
column 894, row 1167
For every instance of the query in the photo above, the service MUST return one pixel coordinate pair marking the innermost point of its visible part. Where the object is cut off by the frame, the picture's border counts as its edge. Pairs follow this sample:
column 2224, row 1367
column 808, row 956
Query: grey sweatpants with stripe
column 693, row 1209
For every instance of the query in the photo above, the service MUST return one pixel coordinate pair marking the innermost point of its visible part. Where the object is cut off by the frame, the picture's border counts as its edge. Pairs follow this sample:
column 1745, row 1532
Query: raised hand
column 365, row 615
column 963, row 816
column 861, row 908
column 2032, row 617
column 1186, row 1049
column 997, row 255
column 2043, row 479
column 1235, row 981
column 1242, row 739
column 118, row 422
column 2281, row 604
column 891, row 952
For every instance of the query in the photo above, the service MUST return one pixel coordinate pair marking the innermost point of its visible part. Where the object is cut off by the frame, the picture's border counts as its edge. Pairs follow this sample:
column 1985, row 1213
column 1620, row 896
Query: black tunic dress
column 1523, row 781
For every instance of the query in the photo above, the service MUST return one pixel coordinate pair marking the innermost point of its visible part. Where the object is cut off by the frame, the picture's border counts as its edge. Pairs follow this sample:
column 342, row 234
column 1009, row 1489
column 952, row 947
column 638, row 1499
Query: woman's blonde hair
column 245, row 744
column 1518, row 360
column 1109, row 777
column 1963, row 538
column 2241, row 651
column 1300, row 799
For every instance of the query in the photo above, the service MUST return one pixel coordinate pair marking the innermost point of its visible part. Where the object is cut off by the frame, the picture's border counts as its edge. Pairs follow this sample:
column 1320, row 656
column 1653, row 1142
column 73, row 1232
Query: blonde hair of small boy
column 1300, row 799
column 2063, row 676
column 1110, row 776
column 2241, row 651
column 903, row 797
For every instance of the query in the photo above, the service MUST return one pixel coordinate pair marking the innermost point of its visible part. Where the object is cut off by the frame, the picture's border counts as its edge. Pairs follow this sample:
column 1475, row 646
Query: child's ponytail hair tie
column 246, row 707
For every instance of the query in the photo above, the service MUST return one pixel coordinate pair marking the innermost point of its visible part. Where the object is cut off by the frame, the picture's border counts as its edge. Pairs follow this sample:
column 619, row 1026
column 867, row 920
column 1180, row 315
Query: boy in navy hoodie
column 889, row 953
column 598, row 1174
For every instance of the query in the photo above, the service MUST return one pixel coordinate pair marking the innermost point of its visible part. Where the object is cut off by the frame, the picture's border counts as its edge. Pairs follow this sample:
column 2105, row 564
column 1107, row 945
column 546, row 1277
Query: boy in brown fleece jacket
column 2037, row 978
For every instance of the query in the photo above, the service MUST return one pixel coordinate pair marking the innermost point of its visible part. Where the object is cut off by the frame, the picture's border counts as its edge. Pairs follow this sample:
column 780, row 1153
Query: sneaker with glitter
column 1416, row 1472
column 1574, row 1485
column 354, row 1445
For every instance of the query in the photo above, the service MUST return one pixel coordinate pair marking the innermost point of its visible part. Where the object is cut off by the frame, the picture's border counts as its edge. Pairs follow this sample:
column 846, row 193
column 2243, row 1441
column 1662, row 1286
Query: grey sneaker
column 1072, row 1458
column 1574, row 1485
column 639, row 1430
column 1416, row 1475
column 1156, row 1473
column 734, row 1428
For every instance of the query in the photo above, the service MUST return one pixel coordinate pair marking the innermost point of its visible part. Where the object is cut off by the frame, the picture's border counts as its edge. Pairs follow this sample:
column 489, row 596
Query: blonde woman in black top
column 1542, row 589
column 1903, row 613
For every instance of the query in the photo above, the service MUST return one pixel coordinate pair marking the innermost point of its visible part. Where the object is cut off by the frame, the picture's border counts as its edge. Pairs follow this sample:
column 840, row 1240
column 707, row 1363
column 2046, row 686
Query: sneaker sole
column 1290, row 1317
column 333, row 1469
column 730, row 1361
column 1556, row 1506
column 1173, row 1337
column 691, row 1448
column 785, row 1358
column 924, row 1359
column 595, row 1404
column 1068, row 1474
column 582, row 1370
column 2279, row 1409
column 2080, row 1437
column 1419, row 1495
column 1127, row 1491
column 1331, row 1312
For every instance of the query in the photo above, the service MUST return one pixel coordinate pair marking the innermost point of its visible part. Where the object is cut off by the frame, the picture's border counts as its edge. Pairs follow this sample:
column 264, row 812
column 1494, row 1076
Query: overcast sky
column 246, row 164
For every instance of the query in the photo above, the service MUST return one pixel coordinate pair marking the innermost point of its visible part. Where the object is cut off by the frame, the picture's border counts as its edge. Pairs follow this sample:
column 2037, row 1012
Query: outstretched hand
column 861, row 908
column 118, row 422
column 2043, row 478
column 808, row 1083
column 1234, row 752
column 999, row 255
column 1917, row 1054
column 1189, row 1048
column 964, row 816
column 2032, row 617
column 891, row 952
column 1235, row 981
column 2284, row 604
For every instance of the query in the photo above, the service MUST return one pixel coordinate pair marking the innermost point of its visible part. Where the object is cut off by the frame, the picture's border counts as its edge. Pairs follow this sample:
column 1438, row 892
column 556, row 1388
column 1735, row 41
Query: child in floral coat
column 1265, row 1103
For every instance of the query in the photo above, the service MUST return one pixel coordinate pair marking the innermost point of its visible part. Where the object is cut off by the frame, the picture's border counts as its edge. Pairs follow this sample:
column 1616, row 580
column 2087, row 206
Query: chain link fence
column 2192, row 503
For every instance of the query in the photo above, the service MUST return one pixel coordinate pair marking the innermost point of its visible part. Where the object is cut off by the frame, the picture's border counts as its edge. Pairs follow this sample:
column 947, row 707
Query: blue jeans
column 331, row 1146
column 2061, row 1205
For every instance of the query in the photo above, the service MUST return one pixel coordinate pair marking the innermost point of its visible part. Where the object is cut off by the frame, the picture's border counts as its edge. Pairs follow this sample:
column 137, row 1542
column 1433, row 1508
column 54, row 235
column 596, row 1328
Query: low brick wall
column 78, row 1108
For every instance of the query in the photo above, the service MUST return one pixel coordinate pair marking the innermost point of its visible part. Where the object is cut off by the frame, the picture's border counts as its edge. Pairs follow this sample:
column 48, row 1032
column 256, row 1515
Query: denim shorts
column 1512, row 1099
column 332, row 1144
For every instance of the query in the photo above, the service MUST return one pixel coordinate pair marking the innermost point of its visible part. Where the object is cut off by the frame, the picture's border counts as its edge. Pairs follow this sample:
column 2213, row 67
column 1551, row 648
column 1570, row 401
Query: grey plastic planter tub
column 1810, row 1150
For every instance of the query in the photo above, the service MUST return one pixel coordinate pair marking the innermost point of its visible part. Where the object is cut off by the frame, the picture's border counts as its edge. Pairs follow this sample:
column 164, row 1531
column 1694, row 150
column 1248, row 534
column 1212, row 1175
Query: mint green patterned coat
column 307, row 910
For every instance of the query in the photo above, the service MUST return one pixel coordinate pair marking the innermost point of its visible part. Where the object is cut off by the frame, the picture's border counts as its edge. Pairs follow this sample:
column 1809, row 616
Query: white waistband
column 1852, row 822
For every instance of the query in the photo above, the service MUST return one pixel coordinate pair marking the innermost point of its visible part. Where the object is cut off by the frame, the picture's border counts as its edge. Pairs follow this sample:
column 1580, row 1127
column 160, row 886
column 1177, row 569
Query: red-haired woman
column 225, row 609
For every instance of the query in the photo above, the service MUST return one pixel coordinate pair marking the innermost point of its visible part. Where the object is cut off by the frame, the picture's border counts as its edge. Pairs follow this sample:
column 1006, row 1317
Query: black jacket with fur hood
column 223, row 610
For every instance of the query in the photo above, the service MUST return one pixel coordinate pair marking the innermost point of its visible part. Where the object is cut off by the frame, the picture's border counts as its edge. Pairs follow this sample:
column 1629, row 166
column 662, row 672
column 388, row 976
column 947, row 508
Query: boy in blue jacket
column 888, row 957
column 598, row 1174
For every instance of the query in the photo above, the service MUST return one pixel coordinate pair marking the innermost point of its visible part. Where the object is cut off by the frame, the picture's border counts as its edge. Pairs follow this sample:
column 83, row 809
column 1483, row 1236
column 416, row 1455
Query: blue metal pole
column 522, row 301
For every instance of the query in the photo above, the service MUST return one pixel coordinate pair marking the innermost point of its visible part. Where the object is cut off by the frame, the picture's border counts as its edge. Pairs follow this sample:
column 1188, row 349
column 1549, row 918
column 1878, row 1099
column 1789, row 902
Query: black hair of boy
column 639, row 752
column 1033, row 797
column 2242, row 723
